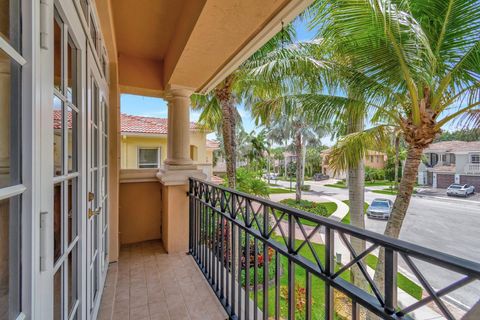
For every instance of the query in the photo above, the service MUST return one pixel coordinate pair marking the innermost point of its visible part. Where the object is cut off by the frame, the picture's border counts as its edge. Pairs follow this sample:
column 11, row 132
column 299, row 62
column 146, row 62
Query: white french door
column 66, row 138
column 97, row 220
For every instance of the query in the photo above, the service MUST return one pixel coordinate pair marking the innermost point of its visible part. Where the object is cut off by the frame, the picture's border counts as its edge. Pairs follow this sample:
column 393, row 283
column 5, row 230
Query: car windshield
column 380, row 204
column 455, row 186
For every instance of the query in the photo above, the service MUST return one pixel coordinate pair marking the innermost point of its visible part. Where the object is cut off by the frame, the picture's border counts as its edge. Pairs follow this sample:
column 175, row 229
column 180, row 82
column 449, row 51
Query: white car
column 463, row 190
column 380, row 209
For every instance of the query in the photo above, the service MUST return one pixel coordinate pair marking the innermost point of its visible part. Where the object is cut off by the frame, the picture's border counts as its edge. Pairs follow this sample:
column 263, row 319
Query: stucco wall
column 461, row 161
column 131, row 144
column 140, row 212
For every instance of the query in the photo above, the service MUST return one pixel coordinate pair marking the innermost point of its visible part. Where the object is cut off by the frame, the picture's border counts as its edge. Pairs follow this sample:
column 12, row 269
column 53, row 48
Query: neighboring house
column 144, row 144
column 450, row 162
column 373, row 159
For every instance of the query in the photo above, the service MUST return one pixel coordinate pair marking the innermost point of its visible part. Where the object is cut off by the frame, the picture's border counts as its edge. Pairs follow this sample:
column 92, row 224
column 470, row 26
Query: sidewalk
column 404, row 299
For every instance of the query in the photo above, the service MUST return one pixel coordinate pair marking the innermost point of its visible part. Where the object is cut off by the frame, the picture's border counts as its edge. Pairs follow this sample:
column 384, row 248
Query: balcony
column 232, row 232
column 472, row 168
column 148, row 283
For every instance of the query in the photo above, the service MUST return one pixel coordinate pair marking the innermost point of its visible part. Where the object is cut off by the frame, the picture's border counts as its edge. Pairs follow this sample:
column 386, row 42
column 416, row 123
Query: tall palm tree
column 302, row 131
column 219, row 108
column 417, row 65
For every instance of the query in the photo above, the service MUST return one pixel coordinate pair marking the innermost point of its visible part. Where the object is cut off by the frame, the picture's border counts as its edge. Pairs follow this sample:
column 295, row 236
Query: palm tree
column 302, row 130
column 219, row 107
column 416, row 65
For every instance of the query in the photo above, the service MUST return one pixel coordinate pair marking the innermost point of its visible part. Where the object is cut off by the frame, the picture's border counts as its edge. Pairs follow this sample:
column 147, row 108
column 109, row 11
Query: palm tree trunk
column 397, row 156
column 225, row 97
column 304, row 155
column 356, row 196
column 298, row 154
column 400, row 206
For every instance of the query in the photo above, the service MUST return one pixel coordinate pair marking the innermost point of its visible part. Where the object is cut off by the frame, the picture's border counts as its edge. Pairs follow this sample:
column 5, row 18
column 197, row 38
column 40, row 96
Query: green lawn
column 279, row 190
column 378, row 183
column 318, row 287
column 342, row 185
column 346, row 219
column 337, row 185
column 324, row 209
column 391, row 192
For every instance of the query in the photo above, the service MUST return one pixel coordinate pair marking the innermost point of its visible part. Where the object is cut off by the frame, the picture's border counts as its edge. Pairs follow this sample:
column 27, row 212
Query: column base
column 175, row 205
column 172, row 175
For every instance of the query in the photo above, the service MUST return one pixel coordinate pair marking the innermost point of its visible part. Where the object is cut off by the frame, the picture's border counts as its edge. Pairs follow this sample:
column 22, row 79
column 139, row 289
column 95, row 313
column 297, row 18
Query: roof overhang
column 189, row 43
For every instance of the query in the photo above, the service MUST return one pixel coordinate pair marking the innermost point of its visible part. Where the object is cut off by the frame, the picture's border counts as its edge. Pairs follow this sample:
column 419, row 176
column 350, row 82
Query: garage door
column 472, row 180
column 444, row 180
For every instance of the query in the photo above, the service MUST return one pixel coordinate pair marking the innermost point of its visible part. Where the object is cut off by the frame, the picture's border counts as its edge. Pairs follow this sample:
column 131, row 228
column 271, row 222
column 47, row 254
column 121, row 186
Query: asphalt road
column 448, row 225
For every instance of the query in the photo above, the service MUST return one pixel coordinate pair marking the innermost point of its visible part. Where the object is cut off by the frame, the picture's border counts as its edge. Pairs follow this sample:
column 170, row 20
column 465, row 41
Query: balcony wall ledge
column 175, row 175
column 138, row 175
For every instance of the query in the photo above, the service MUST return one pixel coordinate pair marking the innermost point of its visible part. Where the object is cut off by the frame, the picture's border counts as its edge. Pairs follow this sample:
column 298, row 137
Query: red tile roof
column 57, row 119
column 213, row 144
column 149, row 125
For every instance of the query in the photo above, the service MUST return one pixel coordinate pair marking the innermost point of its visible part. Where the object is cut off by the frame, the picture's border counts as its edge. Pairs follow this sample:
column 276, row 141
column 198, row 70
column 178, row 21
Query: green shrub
column 309, row 206
column 305, row 187
column 372, row 174
column 249, row 181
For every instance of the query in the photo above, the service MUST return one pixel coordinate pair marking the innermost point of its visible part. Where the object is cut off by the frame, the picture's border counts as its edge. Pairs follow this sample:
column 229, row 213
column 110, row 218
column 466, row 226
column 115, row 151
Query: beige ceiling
column 143, row 28
column 191, row 43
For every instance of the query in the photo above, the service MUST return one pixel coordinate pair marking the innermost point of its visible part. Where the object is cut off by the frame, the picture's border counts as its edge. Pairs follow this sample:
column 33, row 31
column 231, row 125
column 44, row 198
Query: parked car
column 271, row 176
column 380, row 209
column 320, row 177
column 463, row 190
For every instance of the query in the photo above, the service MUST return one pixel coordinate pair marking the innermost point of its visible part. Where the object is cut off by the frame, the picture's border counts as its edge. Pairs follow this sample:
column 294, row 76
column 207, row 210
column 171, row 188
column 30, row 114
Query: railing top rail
column 452, row 262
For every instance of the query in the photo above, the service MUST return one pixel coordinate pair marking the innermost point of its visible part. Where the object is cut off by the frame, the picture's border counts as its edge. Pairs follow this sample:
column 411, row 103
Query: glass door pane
column 66, row 115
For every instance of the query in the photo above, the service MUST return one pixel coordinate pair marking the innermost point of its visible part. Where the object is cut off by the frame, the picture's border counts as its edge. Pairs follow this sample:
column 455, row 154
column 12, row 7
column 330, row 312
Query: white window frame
column 475, row 155
column 10, row 192
column 159, row 159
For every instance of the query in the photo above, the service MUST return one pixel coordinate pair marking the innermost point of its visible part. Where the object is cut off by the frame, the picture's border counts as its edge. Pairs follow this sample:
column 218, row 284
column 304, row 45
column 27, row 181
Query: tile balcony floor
column 149, row 284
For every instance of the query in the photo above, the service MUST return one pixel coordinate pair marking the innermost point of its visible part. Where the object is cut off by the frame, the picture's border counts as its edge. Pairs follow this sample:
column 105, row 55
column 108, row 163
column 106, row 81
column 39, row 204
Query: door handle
column 92, row 213
column 91, row 196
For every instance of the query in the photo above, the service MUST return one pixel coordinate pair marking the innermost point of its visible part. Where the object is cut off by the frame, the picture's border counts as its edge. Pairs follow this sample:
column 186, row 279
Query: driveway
column 442, row 193
column 445, row 224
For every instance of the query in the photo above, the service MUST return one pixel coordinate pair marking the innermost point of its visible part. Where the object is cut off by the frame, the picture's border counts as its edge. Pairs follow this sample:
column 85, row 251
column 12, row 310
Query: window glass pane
column 148, row 156
column 57, row 220
column 57, row 295
column 72, row 280
column 71, row 69
column 72, row 210
column 93, row 32
column 57, row 51
column 10, row 143
column 10, row 258
column 72, row 133
column 95, row 103
column 84, row 5
column 57, row 136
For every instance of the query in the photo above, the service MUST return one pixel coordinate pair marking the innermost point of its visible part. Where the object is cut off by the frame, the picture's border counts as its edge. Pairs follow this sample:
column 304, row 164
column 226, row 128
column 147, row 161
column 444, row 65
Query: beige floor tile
column 148, row 283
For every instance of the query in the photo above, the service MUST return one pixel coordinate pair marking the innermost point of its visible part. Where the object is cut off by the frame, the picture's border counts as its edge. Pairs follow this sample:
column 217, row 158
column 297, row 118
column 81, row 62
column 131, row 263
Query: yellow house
column 144, row 144
column 373, row 159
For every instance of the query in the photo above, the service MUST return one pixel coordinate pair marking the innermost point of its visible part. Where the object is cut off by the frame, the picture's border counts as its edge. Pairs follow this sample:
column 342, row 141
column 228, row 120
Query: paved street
column 450, row 225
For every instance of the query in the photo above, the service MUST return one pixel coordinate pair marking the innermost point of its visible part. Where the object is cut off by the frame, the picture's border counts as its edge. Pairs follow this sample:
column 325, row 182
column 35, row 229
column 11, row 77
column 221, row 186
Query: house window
column 148, row 158
column 475, row 158
column 194, row 153
column 11, row 187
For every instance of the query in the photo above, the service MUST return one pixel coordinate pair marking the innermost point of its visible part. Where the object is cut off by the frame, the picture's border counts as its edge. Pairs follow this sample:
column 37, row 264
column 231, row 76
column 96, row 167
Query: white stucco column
column 178, row 136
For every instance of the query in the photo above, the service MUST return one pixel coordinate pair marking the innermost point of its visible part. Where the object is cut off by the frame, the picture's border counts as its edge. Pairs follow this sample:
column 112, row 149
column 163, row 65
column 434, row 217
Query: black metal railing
column 265, row 260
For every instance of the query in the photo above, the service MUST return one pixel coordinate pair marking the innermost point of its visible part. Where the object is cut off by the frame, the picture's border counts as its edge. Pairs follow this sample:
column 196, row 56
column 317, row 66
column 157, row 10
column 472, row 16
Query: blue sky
column 156, row 107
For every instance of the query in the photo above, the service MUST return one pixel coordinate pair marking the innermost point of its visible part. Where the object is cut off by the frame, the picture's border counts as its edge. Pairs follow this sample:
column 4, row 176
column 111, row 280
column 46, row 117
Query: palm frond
column 352, row 148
